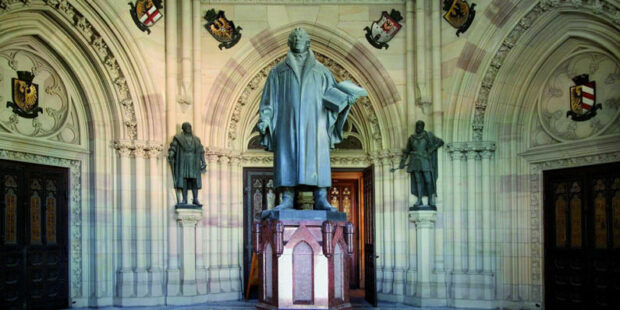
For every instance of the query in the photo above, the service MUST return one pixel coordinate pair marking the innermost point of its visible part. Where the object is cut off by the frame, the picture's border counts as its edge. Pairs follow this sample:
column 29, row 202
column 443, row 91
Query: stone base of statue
column 303, row 259
column 422, row 207
column 181, row 205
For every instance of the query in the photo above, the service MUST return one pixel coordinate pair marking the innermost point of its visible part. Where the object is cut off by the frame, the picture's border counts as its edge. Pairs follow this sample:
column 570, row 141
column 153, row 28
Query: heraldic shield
column 459, row 14
column 384, row 29
column 222, row 29
column 25, row 95
column 146, row 13
column 583, row 104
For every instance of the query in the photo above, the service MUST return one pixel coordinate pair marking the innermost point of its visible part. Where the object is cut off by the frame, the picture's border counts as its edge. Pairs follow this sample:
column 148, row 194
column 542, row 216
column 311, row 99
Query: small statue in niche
column 187, row 160
column 422, row 152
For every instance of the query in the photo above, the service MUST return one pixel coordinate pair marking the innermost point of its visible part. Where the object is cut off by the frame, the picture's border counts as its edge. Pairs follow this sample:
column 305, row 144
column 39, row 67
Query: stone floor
column 358, row 303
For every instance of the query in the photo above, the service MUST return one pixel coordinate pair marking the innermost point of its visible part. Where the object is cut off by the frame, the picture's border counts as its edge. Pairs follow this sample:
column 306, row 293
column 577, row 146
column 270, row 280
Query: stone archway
column 99, row 103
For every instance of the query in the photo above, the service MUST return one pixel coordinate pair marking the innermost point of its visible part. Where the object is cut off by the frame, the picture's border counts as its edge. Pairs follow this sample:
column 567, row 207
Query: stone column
column 457, row 185
column 156, row 227
column 236, row 218
column 187, row 220
column 223, row 219
column 379, row 214
column 213, row 263
column 125, row 275
column 142, row 279
column 488, row 226
column 471, row 209
column 400, row 203
column 426, row 286
column 388, row 225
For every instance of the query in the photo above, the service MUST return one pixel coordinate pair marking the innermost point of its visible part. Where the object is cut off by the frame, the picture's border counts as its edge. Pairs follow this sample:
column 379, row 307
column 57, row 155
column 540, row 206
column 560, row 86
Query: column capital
column 139, row 149
column 188, row 217
column 423, row 219
column 123, row 147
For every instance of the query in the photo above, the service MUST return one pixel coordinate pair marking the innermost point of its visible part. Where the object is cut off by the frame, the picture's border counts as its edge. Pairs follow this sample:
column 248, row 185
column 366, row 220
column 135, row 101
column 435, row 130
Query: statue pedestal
column 303, row 260
column 426, row 283
column 187, row 218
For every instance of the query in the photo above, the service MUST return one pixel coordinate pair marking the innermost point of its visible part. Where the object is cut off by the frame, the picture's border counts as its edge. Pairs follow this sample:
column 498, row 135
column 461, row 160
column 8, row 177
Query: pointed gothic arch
column 234, row 96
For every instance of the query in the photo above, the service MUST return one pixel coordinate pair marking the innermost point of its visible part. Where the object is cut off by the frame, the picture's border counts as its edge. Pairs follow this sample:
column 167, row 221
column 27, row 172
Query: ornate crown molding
column 602, row 7
column 304, row 1
column 106, row 57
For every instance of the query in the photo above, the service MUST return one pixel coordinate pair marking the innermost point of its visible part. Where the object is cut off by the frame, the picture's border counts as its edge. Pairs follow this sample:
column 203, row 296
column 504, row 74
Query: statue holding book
column 302, row 113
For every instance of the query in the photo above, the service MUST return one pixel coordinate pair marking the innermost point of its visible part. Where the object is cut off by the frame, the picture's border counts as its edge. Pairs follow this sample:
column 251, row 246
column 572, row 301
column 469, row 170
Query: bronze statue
column 187, row 160
column 302, row 112
column 422, row 152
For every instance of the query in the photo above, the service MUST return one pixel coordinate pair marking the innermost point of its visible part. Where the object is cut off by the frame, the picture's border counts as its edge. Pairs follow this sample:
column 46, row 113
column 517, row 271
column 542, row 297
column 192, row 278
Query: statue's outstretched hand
column 351, row 99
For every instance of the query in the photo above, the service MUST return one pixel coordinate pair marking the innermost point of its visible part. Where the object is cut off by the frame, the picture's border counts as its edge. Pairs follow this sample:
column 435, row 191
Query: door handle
column 377, row 256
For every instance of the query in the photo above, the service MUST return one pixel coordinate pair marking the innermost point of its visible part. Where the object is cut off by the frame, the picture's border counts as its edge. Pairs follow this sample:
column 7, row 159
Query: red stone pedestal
column 303, row 264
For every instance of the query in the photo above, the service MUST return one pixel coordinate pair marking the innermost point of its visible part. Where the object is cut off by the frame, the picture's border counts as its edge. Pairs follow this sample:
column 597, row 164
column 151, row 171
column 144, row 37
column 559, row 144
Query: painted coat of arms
column 384, row 29
column 459, row 14
column 222, row 29
column 25, row 95
column 146, row 13
column 583, row 104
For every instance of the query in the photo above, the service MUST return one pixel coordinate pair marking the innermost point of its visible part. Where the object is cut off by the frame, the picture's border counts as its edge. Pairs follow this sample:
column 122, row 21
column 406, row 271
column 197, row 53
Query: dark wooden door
column 370, row 275
column 344, row 195
column 259, row 194
column 33, row 237
column 582, row 237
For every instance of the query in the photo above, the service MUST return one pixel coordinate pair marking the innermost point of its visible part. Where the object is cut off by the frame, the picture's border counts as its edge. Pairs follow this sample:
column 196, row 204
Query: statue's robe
column 300, row 130
column 187, row 152
column 422, row 153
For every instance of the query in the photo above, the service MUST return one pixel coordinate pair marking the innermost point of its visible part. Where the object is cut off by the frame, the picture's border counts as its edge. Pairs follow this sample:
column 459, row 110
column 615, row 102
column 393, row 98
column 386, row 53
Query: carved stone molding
column 138, row 149
column 297, row 2
column 254, row 88
column 188, row 217
column 75, row 208
column 102, row 50
column 423, row 219
column 471, row 150
column 601, row 7
column 536, row 209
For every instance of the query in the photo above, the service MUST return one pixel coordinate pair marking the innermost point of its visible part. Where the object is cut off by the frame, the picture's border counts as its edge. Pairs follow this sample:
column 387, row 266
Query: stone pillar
column 213, row 263
column 142, row 279
column 473, row 224
column 426, row 285
column 187, row 220
column 388, row 225
column 125, row 275
column 156, row 227
column 223, row 219
column 379, row 215
column 236, row 224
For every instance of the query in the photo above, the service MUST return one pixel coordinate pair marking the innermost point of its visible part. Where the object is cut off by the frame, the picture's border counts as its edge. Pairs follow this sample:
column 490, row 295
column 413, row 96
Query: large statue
column 302, row 112
column 187, row 160
column 422, row 153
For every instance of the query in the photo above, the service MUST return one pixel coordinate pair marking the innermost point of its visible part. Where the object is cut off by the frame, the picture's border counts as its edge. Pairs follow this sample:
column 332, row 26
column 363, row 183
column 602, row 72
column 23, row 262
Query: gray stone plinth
column 306, row 215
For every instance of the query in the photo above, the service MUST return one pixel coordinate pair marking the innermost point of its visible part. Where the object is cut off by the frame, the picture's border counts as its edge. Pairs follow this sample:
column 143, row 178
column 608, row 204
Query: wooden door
column 33, row 237
column 344, row 195
column 582, row 237
column 259, row 194
column 370, row 275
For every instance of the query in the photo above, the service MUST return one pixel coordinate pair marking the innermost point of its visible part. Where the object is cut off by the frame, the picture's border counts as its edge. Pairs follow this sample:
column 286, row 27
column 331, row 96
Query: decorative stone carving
column 75, row 208
column 471, row 149
column 95, row 40
column 59, row 122
column 602, row 7
column 553, row 102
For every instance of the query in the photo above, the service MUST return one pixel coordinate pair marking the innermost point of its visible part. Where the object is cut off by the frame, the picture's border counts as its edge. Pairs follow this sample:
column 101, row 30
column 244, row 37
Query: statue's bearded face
column 299, row 41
